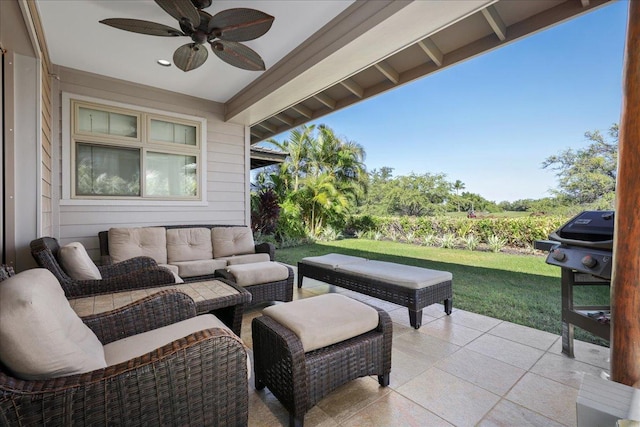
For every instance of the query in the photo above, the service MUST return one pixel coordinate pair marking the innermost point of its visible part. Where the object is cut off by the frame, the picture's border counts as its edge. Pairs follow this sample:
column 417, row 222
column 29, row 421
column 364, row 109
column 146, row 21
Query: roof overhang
column 375, row 46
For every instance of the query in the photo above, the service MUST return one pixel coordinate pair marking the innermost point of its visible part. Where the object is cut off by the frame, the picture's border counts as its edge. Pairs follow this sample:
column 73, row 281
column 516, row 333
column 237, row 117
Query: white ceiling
column 71, row 27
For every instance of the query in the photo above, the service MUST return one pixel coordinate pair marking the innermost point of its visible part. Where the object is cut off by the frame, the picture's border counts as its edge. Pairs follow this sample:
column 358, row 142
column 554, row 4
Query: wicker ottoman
column 307, row 348
column 266, row 281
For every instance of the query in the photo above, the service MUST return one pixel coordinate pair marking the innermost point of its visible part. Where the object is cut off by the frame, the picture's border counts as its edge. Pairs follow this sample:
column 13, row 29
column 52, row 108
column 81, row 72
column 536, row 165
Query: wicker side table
column 220, row 297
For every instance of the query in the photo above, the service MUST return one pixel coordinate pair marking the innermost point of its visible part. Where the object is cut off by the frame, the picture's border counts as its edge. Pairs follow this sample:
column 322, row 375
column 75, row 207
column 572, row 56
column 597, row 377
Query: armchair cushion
column 232, row 241
column 125, row 243
column 41, row 336
column 188, row 244
column 77, row 264
column 140, row 344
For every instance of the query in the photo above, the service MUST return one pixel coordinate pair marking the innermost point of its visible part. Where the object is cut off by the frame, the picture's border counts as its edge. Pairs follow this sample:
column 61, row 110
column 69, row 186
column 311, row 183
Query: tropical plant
column 430, row 240
column 323, row 175
column 448, row 241
column 265, row 211
column 496, row 243
column 471, row 242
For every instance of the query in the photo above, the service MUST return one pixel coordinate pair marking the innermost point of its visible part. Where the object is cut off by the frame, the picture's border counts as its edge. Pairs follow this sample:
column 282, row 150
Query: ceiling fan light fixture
column 164, row 62
column 223, row 32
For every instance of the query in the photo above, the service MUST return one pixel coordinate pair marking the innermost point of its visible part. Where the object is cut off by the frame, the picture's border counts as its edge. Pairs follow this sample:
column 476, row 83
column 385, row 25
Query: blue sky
column 492, row 120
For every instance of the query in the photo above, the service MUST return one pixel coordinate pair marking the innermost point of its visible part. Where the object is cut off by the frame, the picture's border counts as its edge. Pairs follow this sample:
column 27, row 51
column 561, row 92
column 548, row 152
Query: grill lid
column 592, row 229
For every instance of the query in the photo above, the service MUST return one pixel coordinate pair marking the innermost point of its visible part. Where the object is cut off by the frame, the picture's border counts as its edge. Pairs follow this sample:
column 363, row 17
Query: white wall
column 227, row 170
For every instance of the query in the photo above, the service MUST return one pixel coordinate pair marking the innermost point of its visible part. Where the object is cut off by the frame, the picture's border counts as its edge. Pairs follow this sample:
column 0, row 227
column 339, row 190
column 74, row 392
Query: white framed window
column 115, row 153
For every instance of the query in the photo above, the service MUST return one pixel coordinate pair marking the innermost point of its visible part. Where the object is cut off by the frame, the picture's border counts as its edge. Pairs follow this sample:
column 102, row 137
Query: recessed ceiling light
column 164, row 62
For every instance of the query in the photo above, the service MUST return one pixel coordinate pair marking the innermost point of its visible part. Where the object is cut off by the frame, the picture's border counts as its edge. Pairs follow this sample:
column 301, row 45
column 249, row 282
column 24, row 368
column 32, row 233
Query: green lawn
column 521, row 289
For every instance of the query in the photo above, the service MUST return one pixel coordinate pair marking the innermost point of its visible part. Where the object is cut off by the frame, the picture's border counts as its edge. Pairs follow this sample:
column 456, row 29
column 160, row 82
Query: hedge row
column 516, row 232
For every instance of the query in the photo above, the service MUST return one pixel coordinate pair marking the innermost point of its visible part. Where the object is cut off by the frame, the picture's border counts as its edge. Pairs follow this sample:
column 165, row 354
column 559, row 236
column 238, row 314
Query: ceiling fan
column 223, row 32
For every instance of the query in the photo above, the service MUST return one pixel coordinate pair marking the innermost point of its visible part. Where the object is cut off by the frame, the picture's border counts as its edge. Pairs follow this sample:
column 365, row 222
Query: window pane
column 96, row 121
column 171, row 175
column 173, row 132
column 107, row 171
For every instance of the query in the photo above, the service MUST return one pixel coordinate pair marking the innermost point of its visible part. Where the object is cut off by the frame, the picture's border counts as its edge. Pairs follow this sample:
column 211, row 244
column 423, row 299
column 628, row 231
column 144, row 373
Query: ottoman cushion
column 333, row 260
column 258, row 273
column 245, row 259
column 324, row 320
column 407, row 276
column 200, row 267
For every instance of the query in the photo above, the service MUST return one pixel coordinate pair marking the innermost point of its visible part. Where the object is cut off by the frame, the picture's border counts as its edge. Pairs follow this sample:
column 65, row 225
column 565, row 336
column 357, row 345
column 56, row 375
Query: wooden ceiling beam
column 353, row 87
column 495, row 21
column 257, row 133
column 285, row 119
column 388, row 71
column 305, row 111
column 432, row 51
column 326, row 100
column 268, row 126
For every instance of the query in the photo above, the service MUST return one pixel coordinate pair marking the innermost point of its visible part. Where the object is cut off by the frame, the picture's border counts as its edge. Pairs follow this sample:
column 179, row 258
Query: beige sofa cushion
column 188, row 244
column 76, row 262
column 40, row 335
column 407, row 276
column 258, row 273
column 232, row 241
column 333, row 260
column 199, row 268
column 127, row 243
column 140, row 344
column 324, row 320
column 245, row 259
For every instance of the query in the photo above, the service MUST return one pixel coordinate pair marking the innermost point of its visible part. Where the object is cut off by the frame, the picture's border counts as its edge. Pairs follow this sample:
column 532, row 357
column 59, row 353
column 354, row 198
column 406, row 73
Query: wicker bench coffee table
column 406, row 285
column 222, row 298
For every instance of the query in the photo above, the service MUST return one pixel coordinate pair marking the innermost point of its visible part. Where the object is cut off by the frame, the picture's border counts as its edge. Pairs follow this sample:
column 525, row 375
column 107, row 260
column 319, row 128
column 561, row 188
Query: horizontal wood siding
column 227, row 179
column 46, row 205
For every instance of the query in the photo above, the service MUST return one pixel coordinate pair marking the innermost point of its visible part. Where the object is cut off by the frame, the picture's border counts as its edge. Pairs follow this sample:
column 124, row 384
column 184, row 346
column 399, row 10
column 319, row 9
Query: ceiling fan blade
column 190, row 56
column 238, row 55
column 142, row 27
column 181, row 9
column 240, row 24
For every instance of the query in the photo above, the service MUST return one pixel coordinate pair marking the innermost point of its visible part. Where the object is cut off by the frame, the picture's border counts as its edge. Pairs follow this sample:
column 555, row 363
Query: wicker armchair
column 198, row 380
column 135, row 273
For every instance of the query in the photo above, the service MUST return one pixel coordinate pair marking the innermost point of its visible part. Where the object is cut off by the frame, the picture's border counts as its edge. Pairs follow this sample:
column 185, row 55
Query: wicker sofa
column 193, row 252
column 198, row 379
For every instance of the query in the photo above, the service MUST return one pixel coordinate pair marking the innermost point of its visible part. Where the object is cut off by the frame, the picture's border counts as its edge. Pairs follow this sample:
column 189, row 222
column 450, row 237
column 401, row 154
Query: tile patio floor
column 459, row 370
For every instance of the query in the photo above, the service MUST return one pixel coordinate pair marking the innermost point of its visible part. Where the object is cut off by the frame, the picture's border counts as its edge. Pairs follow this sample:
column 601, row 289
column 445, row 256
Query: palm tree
column 458, row 185
column 323, row 173
column 320, row 200
column 297, row 145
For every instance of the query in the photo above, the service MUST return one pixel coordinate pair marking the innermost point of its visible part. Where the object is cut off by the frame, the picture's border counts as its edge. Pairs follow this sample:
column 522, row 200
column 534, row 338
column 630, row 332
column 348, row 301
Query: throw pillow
column 77, row 264
column 41, row 336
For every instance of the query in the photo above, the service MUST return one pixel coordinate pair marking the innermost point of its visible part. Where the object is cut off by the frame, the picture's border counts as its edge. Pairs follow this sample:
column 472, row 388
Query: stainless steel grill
column 585, row 244
column 583, row 248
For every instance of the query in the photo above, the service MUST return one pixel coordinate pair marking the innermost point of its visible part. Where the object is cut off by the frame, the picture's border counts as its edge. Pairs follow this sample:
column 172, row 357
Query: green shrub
column 517, row 232
column 290, row 225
